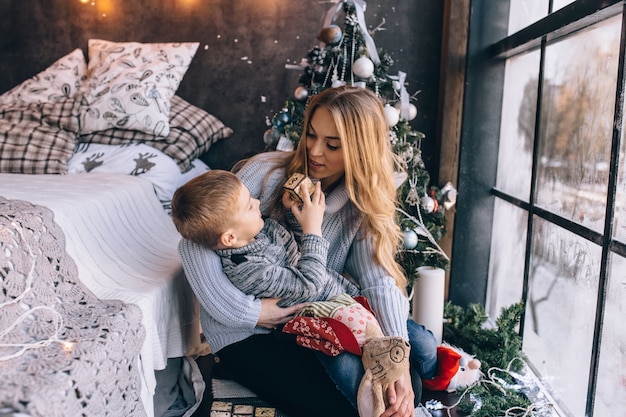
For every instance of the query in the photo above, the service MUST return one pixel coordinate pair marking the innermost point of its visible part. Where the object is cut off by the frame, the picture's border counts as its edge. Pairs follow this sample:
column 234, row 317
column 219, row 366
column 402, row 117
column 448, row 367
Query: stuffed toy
column 455, row 369
column 346, row 324
column 384, row 359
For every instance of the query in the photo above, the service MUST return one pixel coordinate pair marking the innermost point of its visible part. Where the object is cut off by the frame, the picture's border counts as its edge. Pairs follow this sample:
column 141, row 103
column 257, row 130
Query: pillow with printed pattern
column 130, row 84
column 59, row 81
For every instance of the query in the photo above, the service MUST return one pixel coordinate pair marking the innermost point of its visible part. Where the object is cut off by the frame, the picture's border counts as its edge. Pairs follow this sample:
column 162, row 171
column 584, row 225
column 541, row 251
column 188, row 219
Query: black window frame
column 488, row 47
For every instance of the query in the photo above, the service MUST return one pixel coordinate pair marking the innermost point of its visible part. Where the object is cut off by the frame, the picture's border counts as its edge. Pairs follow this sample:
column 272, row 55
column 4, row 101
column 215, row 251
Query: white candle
column 428, row 294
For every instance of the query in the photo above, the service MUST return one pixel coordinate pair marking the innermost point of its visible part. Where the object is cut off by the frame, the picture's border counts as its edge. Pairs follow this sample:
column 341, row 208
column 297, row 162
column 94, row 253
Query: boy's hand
column 311, row 212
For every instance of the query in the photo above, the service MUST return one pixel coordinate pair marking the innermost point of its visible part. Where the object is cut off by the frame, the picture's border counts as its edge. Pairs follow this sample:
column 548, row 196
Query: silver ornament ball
column 330, row 34
column 428, row 203
column 409, row 239
column 301, row 93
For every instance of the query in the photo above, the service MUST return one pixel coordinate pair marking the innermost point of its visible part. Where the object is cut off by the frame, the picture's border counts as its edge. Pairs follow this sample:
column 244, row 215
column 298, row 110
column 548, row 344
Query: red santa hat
column 448, row 363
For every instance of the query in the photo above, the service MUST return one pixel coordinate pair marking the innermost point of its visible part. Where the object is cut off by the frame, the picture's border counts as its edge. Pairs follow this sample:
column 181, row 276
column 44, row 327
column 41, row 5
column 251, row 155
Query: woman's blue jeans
column 346, row 369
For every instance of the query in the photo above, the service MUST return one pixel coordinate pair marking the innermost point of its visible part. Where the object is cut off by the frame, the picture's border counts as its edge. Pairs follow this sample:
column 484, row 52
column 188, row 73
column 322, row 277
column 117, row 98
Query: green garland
column 498, row 347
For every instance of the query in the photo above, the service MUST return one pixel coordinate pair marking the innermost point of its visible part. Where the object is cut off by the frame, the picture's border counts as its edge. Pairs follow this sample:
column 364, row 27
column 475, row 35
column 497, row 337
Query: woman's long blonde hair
column 369, row 165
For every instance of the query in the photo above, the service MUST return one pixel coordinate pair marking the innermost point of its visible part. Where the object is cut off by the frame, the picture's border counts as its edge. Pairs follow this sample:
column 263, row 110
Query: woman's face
column 324, row 154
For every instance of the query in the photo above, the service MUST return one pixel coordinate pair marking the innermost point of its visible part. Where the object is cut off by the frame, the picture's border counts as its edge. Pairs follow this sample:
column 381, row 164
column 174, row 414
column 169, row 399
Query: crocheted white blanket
column 63, row 351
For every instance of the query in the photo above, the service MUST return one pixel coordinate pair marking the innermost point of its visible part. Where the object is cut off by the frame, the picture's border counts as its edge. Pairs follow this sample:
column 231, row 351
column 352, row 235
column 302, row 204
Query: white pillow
column 135, row 159
column 60, row 80
column 130, row 84
column 198, row 167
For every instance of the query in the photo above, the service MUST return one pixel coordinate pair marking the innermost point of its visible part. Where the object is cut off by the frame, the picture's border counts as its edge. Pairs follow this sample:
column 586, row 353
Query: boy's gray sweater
column 273, row 267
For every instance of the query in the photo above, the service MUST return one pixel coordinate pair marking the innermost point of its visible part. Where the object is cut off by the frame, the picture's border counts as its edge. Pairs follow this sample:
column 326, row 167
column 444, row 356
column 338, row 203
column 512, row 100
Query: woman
column 345, row 146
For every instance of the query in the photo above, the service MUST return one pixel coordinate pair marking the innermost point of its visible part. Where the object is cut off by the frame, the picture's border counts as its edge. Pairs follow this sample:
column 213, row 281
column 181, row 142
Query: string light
column 536, row 409
column 24, row 347
column 57, row 320
column 103, row 6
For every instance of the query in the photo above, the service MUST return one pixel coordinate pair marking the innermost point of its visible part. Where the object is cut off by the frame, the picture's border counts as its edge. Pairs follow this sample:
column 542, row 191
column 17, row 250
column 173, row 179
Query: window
column 541, row 213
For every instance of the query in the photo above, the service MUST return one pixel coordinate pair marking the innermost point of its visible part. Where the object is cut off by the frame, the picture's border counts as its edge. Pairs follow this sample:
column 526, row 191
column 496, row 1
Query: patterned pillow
column 192, row 132
column 38, row 138
column 129, row 84
column 60, row 80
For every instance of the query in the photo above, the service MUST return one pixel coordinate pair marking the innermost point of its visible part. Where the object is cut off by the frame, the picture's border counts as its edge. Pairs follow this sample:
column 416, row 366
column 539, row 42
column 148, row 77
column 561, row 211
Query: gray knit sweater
column 272, row 266
column 228, row 315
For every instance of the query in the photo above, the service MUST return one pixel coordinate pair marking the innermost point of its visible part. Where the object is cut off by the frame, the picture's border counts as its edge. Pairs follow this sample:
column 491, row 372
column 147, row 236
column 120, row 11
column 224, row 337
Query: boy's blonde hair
column 203, row 208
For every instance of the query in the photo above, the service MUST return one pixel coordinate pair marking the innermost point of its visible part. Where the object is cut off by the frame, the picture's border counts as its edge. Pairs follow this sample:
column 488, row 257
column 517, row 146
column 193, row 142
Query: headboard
column 238, row 73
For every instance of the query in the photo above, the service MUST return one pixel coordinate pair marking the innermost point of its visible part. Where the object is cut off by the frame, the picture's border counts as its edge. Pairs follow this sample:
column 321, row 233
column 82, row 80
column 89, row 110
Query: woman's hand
column 401, row 397
column 272, row 315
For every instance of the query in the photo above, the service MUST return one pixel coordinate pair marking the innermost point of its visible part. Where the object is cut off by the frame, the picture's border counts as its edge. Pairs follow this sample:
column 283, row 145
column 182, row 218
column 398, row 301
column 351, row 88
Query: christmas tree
column 349, row 56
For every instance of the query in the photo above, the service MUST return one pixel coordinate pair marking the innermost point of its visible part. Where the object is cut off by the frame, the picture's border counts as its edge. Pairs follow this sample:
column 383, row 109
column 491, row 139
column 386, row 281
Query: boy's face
column 247, row 220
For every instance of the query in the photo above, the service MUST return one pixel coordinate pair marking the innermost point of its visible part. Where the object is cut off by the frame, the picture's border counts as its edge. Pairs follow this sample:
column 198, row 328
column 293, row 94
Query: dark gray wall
column 238, row 73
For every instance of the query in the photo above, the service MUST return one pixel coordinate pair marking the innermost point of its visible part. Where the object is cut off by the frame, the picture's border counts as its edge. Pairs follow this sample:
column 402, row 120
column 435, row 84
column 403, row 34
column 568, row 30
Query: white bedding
column 125, row 247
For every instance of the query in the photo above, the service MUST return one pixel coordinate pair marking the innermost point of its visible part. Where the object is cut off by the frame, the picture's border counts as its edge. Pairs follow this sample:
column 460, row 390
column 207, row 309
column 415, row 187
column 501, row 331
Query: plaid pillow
column 192, row 132
column 38, row 138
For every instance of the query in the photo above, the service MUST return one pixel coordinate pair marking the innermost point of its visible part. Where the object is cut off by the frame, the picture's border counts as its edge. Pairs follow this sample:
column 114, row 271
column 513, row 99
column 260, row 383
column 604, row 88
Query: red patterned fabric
column 325, row 334
column 344, row 331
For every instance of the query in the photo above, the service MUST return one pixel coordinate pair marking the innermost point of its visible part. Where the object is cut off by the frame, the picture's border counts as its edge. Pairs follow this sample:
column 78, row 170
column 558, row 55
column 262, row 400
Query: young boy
column 258, row 255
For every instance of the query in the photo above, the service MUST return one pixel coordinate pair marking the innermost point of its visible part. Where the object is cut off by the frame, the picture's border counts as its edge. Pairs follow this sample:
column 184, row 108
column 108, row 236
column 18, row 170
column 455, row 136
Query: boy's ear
column 227, row 239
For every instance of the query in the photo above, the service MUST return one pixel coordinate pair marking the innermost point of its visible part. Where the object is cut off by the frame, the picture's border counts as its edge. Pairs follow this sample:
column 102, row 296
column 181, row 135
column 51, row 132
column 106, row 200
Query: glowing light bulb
column 67, row 346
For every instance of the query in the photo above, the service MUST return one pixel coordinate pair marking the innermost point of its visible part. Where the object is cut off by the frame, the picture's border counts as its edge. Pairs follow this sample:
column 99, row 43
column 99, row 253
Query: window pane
column 619, row 226
column 559, row 4
column 577, row 124
column 611, row 389
column 508, row 245
column 560, row 311
column 524, row 12
column 517, row 130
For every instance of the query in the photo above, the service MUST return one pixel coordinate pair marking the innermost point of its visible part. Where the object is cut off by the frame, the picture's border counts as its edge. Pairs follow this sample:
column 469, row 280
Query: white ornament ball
column 412, row 110
column 392, row 115
column 428, row 203
column 410, row 239
column 301, row 93
column 363, row 67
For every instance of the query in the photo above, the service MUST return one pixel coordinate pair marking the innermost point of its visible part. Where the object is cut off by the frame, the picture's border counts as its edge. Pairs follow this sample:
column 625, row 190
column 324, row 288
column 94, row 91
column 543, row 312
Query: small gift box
column 294, row 186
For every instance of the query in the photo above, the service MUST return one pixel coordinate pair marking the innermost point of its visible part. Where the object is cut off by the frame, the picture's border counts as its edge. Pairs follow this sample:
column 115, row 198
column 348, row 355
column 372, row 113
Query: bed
column 91, row 152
